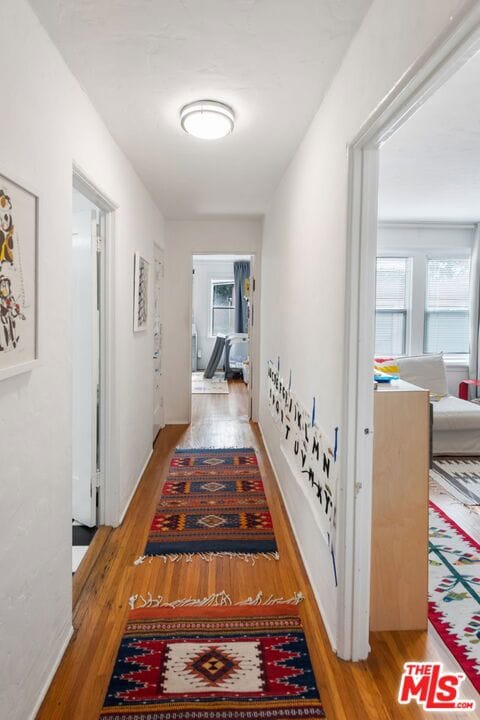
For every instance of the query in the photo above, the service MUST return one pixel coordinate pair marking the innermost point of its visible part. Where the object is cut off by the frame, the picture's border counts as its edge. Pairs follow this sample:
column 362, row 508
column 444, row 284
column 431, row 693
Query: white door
column 158, row 315
column 85, row 365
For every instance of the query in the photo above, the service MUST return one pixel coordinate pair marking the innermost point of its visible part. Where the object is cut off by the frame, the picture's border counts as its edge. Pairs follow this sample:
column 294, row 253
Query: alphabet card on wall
column 308, row 452
column 18, row 278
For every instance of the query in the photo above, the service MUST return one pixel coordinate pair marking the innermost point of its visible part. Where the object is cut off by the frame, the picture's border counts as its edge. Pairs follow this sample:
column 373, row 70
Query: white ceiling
column 430, row 168
column 140, row 61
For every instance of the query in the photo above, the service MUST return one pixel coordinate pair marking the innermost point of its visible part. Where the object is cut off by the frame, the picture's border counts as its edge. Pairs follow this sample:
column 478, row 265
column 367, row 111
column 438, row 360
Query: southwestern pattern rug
column 213, row 503
column 460, row 476
column 454, row 587
column 213, row 663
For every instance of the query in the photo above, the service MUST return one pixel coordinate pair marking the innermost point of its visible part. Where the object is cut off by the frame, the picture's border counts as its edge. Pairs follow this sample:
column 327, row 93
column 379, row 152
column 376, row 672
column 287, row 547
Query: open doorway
column 88, row 366
column 222, row 325
column 158, row 320
column 427, row 339
column 409, row 293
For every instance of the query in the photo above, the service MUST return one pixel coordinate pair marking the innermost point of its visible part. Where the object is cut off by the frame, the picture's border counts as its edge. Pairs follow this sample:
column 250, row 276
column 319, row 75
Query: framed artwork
column 18, row 278
column 140, row 304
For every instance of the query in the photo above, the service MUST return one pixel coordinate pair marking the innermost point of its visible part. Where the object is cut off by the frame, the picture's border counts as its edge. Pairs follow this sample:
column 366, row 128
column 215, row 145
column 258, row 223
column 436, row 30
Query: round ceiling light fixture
column 207, row 119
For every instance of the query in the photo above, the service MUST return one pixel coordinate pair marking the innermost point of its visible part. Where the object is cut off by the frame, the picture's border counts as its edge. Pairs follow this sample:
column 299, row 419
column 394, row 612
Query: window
column 223, row 308
column 447, row 321
column 391, row 307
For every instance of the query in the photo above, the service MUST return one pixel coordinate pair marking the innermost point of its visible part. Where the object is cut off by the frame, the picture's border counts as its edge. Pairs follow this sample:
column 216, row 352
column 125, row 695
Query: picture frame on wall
column 140, row 305
column 18, row 278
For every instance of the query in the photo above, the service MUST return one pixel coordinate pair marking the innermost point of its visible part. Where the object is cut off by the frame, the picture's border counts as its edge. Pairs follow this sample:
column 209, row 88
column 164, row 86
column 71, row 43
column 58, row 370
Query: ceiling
column 430, row 168
column 140, row 61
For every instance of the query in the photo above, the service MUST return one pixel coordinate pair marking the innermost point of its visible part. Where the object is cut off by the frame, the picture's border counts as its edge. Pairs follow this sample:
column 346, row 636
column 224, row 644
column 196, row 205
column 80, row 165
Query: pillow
column 425, row 371
column 388, row 366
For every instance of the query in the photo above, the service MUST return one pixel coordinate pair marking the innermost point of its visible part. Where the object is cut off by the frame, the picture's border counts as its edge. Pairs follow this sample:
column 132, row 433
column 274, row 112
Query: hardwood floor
column 350, row 691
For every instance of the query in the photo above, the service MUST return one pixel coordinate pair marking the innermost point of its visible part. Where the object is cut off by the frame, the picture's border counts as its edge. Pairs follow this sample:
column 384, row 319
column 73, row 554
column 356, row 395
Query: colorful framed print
column 18, row 278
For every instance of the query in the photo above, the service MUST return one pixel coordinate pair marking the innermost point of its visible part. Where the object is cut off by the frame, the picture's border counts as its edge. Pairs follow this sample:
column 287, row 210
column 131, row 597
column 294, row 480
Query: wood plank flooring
column 350, row 691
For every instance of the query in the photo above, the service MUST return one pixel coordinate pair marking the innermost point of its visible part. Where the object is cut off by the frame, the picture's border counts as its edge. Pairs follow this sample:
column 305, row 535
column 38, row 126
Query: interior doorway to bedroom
column 223, row 322
column 426, row 443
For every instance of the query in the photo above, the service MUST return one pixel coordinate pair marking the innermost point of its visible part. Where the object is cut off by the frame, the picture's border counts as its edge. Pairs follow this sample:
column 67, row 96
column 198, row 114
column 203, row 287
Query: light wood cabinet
column 399, row 570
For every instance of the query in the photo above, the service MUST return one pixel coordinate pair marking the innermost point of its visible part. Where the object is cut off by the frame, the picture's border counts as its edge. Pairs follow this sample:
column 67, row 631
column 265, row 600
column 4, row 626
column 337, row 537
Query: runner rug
column 213, row 663
column 460, row 476
column 454, row 587
column 213, row 503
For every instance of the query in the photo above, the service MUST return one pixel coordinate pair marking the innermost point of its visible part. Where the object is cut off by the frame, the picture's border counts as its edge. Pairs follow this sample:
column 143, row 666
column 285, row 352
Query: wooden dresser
column 399, row 572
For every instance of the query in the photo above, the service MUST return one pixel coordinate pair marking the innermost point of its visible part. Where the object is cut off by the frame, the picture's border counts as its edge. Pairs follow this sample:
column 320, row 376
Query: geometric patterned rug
column 454, row 587
column 460, row 476
column 213, row 503
column 211, row 664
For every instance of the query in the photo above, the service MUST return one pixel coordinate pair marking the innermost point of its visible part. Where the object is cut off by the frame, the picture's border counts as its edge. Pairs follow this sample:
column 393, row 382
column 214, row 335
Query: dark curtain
column 241, row 271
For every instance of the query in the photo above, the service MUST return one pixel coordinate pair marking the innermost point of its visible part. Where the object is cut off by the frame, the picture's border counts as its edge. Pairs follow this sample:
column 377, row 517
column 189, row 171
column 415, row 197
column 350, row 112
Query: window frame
column 212, row 307
column 454, row 357
column 416, row 310
column 408, row 297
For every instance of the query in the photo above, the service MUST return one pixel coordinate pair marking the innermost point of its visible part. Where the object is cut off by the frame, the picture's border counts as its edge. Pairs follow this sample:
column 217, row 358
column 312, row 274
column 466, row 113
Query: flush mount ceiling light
column 207, row 119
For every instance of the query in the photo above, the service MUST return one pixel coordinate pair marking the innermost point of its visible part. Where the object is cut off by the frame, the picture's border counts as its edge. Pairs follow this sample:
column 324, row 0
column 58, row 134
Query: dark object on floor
column 215, row 357
column 82, row 535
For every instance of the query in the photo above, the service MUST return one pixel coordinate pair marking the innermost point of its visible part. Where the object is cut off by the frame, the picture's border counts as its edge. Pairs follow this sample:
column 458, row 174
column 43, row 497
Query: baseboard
column 51, row 675
column 328, row 629
column 122, row 516
column 177, row 422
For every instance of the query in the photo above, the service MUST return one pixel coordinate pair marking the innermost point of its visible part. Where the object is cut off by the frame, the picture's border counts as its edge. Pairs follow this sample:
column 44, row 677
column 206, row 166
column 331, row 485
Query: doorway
column 449, row 53
column 158, row 315
column 88, row 366
column 223, row 332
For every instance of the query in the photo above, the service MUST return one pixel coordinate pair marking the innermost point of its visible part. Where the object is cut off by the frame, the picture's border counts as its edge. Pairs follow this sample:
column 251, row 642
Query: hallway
column 349, row 691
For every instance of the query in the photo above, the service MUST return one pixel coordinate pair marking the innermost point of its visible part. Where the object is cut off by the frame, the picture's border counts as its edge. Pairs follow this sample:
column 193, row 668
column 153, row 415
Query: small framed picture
column 18, row 278
column 140, row 304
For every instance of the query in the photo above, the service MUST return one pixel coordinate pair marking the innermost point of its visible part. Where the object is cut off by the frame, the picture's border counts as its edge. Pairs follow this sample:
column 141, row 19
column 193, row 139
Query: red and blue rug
column 213, row 663
column 454, row 591
column 213, row 503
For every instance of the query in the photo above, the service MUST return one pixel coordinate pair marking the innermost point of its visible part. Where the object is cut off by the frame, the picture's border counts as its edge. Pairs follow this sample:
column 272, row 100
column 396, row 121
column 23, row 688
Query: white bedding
column 451, row 413
column 453, row 442
column 456, row 427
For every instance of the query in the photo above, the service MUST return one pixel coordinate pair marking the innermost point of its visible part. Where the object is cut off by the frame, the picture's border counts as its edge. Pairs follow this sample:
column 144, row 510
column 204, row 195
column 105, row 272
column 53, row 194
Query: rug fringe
column 249, row 558
column 220, row 599
column 258, row 600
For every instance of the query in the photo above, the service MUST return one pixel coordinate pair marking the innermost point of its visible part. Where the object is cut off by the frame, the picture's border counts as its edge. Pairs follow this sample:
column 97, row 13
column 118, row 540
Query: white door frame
column 449, row 51
column 159, row 256
column 254, row 328
column 108, row 488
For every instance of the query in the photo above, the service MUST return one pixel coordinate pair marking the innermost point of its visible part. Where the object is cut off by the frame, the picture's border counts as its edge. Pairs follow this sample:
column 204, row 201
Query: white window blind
column 447, row 306
column 391, row 306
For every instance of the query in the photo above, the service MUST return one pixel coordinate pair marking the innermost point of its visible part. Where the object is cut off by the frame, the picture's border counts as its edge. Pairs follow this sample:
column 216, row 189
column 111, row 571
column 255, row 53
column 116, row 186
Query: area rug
column 178, row 662
column 454, row 586
column 213, row 503
column 460, row 476
column 217, row 385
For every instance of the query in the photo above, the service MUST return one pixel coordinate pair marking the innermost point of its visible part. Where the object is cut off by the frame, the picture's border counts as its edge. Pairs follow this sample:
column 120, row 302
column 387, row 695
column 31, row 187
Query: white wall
column 206, row 270
column 185, row 238
column 48, row 123
column 304, row 247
